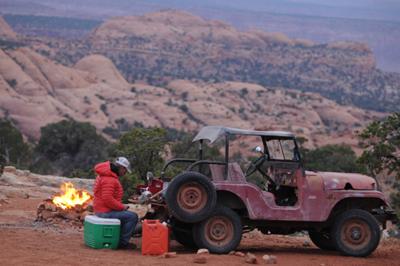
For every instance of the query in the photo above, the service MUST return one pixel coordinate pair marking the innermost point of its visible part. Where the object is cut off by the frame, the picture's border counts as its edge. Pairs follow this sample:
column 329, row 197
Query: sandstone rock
column 200, row 259
column 306, row 243
column 16, row 193
column 239, row 254
column 250, row 258
column 27, row 172
column 168, row 255
column 22, row 173
column 10, row 169
column 203, row 251
column 269, row 259
column 232, row 252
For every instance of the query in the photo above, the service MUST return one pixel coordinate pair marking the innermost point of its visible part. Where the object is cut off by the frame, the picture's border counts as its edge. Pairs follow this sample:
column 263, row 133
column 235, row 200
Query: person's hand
column 126, row 207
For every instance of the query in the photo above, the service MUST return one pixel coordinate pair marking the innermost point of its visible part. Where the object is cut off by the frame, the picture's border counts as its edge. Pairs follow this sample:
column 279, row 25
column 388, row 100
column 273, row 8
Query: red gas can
column 155, row 238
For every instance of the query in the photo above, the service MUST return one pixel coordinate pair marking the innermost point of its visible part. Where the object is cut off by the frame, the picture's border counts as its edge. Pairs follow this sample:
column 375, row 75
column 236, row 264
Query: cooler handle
column 107, row 232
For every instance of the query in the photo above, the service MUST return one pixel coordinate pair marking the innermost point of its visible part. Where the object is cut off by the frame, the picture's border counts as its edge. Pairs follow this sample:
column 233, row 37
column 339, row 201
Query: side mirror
column 259, row 149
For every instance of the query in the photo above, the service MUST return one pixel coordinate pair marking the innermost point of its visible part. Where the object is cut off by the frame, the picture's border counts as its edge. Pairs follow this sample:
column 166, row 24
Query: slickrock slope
column 36, row 91
column 104, row 69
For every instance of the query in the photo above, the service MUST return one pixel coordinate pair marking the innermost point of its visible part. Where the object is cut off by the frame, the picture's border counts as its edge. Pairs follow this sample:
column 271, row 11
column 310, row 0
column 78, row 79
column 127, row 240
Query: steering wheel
column 254, row 165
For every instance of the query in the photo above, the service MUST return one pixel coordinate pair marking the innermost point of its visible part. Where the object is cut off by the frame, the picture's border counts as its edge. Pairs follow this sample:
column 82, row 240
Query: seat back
column 235, row 173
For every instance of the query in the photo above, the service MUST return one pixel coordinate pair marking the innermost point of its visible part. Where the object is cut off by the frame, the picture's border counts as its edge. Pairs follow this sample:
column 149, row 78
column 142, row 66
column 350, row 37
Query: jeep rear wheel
column 322, row 239
column 191, row 197
column 356, row 233
column 220, row 233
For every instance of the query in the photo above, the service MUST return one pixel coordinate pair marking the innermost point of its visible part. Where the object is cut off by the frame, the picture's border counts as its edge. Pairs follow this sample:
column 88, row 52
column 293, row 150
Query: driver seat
column 235, row 173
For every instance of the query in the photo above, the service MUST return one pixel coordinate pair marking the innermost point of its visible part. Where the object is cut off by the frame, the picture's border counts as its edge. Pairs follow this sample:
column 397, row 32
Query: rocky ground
column 25, row 241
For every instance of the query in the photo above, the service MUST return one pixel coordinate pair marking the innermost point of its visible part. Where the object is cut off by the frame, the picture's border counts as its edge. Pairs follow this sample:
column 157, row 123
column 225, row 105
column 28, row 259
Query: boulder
column 269, row 259
column 9, row 169
column 200, row 259
column 250, row 258
column 203, row 251
column 239, row 254
column 168, row 255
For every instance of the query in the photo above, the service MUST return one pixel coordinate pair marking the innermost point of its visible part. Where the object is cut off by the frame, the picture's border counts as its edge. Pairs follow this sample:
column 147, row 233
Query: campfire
column 70, row 205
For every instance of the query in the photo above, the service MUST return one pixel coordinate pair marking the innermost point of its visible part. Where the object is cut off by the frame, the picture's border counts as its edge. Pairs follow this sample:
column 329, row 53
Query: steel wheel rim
column 356, row 234
column 192, row 197
column 219, row 231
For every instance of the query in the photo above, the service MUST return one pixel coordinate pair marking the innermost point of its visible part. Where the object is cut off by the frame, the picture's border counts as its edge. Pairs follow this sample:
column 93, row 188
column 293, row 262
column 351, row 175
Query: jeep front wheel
column 220, row 233
column 191, row 197
column 356, row 233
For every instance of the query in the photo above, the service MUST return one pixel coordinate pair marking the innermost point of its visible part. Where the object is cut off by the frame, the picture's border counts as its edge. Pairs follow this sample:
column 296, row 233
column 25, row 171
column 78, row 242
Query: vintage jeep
column 340, row 211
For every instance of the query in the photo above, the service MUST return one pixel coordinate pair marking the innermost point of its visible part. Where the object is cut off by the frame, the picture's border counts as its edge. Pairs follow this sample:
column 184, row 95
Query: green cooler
column 101, row 232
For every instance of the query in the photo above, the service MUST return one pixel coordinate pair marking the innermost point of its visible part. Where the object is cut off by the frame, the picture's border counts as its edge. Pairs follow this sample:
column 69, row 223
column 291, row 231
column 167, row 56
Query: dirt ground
column 24, row 242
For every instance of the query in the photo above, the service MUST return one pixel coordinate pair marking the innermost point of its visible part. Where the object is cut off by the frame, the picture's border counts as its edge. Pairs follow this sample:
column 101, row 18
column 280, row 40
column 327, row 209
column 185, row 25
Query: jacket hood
column 104, row 169
column 334, row 180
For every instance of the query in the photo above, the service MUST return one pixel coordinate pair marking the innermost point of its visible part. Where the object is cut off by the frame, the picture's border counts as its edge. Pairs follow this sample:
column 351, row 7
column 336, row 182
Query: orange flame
column 70, row 197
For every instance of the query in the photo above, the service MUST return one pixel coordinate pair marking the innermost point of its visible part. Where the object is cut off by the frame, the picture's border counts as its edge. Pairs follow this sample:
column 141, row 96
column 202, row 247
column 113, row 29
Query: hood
column 104, row 169
column 334, row 180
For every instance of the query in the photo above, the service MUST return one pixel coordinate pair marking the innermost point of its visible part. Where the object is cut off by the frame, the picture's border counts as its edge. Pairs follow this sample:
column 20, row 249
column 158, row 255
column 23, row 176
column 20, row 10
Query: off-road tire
column 220, row 233
column 356, row 233
column 323, row 240
column 191, row 197
column 183, row 234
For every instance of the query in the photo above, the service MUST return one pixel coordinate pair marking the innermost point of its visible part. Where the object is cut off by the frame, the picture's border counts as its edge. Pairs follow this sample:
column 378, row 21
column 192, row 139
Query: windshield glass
column 282, row 149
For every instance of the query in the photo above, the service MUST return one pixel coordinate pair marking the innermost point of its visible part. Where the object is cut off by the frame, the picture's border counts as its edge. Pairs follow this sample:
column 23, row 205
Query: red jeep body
column 318, row 194
column 341, row 211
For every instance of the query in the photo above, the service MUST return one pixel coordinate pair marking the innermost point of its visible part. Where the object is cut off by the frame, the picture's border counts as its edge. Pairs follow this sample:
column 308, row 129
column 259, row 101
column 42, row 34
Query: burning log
column 71, row 205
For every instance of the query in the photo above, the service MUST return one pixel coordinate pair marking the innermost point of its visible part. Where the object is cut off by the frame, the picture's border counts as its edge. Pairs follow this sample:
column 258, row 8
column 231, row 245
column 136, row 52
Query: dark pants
column 128, row 223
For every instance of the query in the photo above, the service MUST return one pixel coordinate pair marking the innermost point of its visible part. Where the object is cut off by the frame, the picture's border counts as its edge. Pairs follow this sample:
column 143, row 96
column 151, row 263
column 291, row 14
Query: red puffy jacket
column 107, row 190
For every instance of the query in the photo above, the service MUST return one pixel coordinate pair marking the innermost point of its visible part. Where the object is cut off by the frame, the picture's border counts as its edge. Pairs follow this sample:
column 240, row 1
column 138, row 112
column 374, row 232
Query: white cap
column 122, row 161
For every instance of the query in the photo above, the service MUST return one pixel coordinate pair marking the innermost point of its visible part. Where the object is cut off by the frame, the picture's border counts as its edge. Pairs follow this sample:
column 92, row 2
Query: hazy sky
column 374, row 9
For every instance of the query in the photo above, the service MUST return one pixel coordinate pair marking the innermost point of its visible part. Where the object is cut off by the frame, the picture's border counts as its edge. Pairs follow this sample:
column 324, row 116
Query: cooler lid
column 93, row 219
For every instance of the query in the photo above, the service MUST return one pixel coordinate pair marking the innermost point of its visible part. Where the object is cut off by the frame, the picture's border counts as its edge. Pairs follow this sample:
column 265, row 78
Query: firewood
column 83, row 215
column 50, row 206
column 70, row 215
column 46, row 214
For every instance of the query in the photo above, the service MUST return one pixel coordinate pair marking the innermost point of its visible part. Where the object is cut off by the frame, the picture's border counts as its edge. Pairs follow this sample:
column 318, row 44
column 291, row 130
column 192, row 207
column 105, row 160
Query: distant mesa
column 172, row 44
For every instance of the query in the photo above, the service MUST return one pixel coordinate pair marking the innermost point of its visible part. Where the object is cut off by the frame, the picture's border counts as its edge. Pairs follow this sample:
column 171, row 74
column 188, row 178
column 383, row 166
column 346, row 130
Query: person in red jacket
column 108, row 195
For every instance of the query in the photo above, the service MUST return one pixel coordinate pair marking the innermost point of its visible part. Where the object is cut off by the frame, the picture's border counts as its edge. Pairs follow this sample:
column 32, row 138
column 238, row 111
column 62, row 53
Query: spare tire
column 191, row 197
